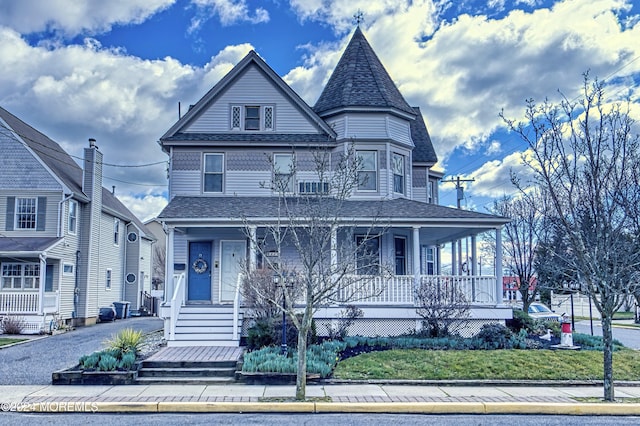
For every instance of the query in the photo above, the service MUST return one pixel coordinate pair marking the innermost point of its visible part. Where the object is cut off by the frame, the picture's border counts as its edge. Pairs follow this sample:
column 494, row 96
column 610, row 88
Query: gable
column 251, row 88
column 20, row 169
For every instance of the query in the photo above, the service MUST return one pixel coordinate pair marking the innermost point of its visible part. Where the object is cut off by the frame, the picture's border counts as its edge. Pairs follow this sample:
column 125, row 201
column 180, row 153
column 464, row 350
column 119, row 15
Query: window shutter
column 41, row 219
column 11, row 209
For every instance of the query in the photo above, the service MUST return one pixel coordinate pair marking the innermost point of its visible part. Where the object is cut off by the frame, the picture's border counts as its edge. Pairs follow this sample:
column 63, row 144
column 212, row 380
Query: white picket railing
column 399, row 289
column 19, row 302
column 177, row 301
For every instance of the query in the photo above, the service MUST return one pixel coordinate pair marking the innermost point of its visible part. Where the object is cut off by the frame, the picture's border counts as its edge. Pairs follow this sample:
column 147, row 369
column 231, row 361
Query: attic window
column 252, row 118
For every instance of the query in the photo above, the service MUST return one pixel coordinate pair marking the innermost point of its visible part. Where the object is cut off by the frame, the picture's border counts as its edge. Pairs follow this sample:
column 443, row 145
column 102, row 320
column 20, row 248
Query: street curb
column 568, row 408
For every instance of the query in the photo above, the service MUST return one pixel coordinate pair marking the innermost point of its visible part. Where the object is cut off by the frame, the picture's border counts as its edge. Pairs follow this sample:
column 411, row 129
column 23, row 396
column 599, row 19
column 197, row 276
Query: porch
column 387, row 303
column 36, row 309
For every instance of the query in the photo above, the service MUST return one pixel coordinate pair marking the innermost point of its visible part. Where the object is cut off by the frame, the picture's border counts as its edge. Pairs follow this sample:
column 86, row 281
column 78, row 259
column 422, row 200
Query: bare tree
column 585, row 158
column 158, row 265
column 440, row 302
column 318, row 257
column 520, row 240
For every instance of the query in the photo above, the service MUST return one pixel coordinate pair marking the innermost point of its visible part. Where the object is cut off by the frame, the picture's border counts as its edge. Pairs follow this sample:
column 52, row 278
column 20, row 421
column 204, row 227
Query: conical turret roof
column 360, row 81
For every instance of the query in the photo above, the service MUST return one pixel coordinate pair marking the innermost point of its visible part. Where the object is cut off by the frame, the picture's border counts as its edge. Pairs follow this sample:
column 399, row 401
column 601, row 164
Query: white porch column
column 499, row 266
column 438, row 251
column 334, row 248
column 42, row 278
column 253, row 259
column 474, row 256
column 416, row 255
column 168, row 275
column 454, row 259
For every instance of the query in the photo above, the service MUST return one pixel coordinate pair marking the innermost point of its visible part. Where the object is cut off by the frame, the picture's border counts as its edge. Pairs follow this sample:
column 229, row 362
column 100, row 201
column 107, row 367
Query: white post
column 42, row 278
column 499, row 266
column 416, row 255
column 168, row 274
column 474, row 256
column 253, row 260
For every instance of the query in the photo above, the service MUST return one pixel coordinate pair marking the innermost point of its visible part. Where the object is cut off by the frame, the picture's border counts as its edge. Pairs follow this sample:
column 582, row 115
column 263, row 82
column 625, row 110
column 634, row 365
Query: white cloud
column 75, row 92
column 229, row 12
column 146, row 207
column 462, row 73
column 493, row 178
column 73, row 17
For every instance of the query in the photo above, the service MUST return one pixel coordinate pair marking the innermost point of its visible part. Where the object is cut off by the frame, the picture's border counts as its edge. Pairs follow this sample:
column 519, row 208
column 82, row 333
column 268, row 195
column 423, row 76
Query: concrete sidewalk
column 323, row 398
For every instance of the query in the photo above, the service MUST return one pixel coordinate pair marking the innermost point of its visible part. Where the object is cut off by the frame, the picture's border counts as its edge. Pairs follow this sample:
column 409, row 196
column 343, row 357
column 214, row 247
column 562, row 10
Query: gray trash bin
column 122, row 309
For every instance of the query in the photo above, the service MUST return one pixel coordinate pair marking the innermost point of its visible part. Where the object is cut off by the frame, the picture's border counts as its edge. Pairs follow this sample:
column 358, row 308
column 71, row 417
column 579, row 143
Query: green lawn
column 418, row 364
column 7, row 341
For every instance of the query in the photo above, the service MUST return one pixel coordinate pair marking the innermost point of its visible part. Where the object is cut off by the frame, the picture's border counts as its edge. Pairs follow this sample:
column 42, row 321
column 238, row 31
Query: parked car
column 541, row 311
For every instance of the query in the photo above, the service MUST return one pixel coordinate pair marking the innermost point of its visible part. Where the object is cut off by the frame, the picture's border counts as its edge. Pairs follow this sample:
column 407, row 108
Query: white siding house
column 57, row 233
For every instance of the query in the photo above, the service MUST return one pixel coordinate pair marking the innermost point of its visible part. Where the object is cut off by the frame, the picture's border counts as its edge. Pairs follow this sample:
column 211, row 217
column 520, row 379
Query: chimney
column 92, row 172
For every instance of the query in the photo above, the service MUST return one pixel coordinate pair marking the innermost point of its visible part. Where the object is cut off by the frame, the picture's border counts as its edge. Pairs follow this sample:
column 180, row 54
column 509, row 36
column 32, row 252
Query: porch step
column 190, row 365
column 205, row 325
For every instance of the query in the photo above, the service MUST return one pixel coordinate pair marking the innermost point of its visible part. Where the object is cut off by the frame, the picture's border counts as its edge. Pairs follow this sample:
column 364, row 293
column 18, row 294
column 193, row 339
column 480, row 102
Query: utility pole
column 459, row 197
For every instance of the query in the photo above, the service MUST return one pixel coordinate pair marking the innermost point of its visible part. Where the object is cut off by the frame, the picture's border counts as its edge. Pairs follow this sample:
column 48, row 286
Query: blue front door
column 199, row 285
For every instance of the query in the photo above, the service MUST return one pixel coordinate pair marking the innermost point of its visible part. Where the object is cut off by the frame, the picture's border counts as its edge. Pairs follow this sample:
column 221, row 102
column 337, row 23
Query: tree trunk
column 301, row 376
column 607, row 340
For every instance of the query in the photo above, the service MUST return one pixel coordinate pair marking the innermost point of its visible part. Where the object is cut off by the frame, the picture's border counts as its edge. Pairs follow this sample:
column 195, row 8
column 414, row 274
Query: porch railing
column 177, row 300
column 19, row 302
column 236, row 306
column 399, row 289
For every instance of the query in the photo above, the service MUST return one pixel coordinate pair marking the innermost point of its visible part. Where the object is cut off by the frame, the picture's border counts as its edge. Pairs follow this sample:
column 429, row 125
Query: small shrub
column 268, row 332
column 593, row 343
column 107, row 362
column 520, row 321
column 494, row 336
column 12, row 325
column 339, row 330
column 127, row 340
column 89, row 362
column 128, row 361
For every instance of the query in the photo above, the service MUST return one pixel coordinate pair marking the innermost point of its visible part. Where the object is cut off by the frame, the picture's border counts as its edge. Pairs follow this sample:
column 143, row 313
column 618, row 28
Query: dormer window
column 252, row 117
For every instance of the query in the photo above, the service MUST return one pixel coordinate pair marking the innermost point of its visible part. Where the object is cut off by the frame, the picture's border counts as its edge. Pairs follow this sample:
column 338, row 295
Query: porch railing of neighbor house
column 177, row 300
column 50, row 302
column 19, row 302
column 399, row 289
column 236, row 306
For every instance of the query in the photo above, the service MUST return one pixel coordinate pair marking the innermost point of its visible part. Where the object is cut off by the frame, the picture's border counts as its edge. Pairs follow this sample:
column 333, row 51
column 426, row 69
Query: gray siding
column 109, row 257
column 132, row 266
column 20, row 169
column 252, row 88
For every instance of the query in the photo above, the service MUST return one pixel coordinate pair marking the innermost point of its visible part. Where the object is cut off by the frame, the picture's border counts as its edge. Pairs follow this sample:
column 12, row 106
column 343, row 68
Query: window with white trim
column 107, row 281
column 252, row 117
column 397, row 167
column 268, row 118
column 213, row 173
column 283, row 173
column 26, row 213
column 20, row 276
column 367, row 255
column 116, row 231
column 368, row 172
column 72, row 225
column 68, row 268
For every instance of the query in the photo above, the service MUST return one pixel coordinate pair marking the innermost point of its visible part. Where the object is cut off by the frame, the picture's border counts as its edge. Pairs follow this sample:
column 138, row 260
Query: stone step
column 189, row 364
column 197, row 372
column 185, row 380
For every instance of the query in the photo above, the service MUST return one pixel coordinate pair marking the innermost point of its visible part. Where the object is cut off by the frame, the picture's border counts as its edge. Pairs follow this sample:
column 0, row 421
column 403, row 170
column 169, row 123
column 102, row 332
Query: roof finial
column 358, row 17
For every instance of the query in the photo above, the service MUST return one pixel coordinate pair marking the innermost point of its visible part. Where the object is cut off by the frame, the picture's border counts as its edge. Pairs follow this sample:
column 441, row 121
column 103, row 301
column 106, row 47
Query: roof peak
column 360, row 80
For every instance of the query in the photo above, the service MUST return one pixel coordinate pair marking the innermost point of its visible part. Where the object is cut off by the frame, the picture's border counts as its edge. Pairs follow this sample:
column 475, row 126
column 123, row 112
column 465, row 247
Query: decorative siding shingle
column 186, row 160
column 249, row 161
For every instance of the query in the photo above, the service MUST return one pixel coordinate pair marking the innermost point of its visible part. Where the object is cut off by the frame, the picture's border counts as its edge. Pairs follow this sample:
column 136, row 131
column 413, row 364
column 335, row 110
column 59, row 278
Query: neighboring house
column 159, row 254
column 226, row 145
column 68, row 246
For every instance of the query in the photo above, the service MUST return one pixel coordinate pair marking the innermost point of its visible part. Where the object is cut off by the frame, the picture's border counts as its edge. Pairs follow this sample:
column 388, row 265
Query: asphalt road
column 33, row 362
column 630, row 337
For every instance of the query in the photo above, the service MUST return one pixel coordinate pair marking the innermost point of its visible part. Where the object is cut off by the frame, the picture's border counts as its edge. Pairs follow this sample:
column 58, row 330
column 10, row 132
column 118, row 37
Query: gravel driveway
column 33, row 362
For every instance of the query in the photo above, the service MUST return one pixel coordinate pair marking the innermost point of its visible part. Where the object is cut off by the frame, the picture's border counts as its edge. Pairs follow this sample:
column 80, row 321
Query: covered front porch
column 29, row 282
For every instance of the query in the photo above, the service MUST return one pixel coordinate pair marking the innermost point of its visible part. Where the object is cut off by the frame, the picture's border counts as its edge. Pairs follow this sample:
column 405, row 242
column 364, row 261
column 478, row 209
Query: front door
column 199, row 280
column 232, row 255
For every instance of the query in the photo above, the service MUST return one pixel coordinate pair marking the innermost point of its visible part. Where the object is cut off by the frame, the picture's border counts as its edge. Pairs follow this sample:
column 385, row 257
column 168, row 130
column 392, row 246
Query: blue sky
column 116, row 70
